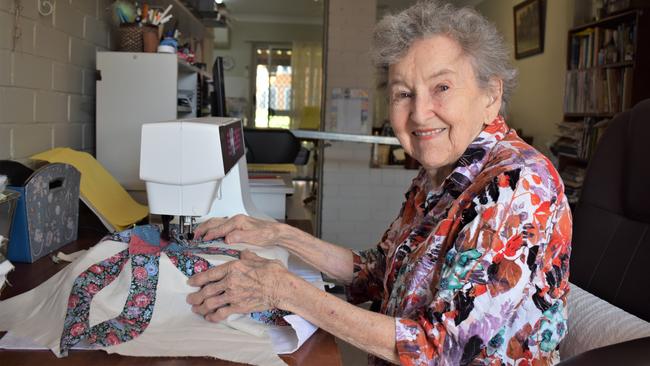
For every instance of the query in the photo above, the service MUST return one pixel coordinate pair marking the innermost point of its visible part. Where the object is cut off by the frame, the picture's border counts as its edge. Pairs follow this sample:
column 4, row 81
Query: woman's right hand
column 242, row 229
column 335, row 261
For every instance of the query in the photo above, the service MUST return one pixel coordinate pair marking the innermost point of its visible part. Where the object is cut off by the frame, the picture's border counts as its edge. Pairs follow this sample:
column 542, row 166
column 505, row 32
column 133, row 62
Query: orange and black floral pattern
column 476, row 271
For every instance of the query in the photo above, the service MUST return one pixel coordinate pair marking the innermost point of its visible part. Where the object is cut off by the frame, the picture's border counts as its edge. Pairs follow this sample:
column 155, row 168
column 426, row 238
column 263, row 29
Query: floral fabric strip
column 85, row 287
column 145, row 246
column 190, row 264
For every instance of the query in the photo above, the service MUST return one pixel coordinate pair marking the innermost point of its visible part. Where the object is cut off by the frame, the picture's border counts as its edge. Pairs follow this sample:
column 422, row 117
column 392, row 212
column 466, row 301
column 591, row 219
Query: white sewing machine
column 196, row 169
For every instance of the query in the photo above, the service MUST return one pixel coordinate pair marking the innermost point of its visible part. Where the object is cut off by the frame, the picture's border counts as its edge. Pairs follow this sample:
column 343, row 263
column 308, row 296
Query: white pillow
column 594, row 323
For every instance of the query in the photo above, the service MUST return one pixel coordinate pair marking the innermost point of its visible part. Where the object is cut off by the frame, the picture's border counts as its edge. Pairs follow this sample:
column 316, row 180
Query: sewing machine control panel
column 232, row 143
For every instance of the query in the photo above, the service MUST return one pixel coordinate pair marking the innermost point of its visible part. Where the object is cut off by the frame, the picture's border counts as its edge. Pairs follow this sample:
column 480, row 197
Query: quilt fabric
column 145, row 247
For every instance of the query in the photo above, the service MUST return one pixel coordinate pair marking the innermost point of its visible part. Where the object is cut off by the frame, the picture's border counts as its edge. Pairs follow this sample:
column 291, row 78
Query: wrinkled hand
column 238, row 287
column 241, row 229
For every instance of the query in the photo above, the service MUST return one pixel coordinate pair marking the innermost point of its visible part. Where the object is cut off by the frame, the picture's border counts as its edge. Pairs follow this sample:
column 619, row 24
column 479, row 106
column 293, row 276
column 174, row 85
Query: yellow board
column 310, row 118
column 282, row 168
column 99, row 190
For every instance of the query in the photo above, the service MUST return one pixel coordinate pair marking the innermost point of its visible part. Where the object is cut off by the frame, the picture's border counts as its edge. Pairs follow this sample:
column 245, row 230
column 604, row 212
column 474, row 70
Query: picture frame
column 529, row 19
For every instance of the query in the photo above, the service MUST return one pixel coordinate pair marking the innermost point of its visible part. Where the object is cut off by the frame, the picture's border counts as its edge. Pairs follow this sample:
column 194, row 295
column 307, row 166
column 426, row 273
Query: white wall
column 359, row 202
column 242, row 37
column 243, row 34
column 348, row 51
column 538, row 100
column 47, row 85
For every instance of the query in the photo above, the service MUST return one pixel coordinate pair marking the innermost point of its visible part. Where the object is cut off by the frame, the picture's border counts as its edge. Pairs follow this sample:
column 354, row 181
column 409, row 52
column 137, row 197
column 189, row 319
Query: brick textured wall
column 358, row 202
column 47, row 84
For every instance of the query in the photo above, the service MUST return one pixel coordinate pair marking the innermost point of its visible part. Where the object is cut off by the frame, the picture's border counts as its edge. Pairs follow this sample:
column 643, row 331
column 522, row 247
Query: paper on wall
column 348, row 111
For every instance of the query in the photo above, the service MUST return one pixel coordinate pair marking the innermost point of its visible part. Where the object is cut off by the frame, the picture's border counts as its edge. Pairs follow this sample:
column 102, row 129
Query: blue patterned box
column 47, row 213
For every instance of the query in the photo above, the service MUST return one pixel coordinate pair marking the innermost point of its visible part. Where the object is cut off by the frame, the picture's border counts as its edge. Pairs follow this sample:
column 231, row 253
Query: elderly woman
column 474, row 269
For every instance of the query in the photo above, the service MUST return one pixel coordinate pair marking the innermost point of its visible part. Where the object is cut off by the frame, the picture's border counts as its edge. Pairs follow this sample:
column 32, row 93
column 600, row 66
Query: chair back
column 270, row 146
column 611, row 235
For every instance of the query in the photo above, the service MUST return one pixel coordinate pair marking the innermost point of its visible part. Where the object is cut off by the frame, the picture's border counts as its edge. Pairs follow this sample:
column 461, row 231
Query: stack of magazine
column 578, row 139
column 573, row 177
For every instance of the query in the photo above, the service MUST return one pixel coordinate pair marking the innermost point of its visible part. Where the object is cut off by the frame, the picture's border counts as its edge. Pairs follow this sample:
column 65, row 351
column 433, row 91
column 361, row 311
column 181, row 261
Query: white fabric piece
column 595, row 323
column 174, row 330
column 69, row 257
column 5, row 268
column 12, row 341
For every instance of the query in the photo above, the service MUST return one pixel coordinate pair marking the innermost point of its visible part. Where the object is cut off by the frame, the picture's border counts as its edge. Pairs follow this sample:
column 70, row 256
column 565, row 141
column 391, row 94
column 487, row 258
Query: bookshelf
column 608, row 71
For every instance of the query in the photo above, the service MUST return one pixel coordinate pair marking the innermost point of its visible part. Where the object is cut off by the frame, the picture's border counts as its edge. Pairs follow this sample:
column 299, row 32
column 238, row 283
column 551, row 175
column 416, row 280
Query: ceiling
column 277, row 11
column 302, row 11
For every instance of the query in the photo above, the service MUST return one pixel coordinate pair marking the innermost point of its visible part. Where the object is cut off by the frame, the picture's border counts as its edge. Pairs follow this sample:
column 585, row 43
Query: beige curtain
column 306, row 83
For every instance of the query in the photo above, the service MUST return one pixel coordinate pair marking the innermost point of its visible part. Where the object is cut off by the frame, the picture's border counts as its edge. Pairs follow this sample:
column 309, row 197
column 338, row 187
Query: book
column 597, row 46
column 627, row 88
column 614, row 90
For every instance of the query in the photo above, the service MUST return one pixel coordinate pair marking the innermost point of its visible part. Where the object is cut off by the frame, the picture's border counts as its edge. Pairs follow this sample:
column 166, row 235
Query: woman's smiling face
column 436, row 105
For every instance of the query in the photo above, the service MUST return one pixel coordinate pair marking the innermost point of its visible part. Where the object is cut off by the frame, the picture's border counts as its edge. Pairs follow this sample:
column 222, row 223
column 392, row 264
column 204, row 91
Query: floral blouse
column 476, row 271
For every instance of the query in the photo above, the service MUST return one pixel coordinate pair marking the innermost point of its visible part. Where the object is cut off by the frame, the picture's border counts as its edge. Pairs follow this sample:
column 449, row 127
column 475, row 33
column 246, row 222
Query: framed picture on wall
column 529, row 28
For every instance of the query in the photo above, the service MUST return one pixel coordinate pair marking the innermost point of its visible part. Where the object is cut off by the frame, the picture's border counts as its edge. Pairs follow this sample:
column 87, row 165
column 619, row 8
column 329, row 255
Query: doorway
column 272, row 85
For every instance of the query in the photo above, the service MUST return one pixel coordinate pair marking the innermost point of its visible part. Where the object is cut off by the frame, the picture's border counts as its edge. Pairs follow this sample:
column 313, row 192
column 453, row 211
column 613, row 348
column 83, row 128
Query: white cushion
column 595, row 323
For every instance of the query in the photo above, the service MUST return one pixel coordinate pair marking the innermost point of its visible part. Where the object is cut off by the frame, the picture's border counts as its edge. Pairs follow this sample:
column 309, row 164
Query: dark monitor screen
column 219, row 94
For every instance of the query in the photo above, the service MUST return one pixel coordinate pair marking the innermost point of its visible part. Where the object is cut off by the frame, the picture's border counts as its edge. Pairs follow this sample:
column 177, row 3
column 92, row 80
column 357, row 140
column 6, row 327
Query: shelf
column 573, row 185
column 567, row 155
column 583, row 115
column 609, row 20
column 214, row 23
column 608, row 66
column 600, row 91
column 189, row 68
column 572, row 157
column 209, row 18
column 211, row 14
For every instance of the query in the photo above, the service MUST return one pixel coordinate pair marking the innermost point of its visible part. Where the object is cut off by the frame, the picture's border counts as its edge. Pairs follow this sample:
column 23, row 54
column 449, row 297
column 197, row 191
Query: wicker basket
column 130, row 38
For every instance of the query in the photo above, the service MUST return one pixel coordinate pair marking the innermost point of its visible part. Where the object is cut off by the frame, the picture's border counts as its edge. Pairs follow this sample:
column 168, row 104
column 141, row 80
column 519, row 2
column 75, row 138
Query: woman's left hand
column 238, row 287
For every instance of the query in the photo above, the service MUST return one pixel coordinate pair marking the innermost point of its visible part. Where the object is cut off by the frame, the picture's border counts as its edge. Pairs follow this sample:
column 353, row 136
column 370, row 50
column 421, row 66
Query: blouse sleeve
column 370, row 265
column 514, row 247
column 367, row 280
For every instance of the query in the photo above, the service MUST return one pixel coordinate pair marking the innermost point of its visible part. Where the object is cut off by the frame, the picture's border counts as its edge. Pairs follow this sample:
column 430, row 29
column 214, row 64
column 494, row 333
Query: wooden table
column 320, row 349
